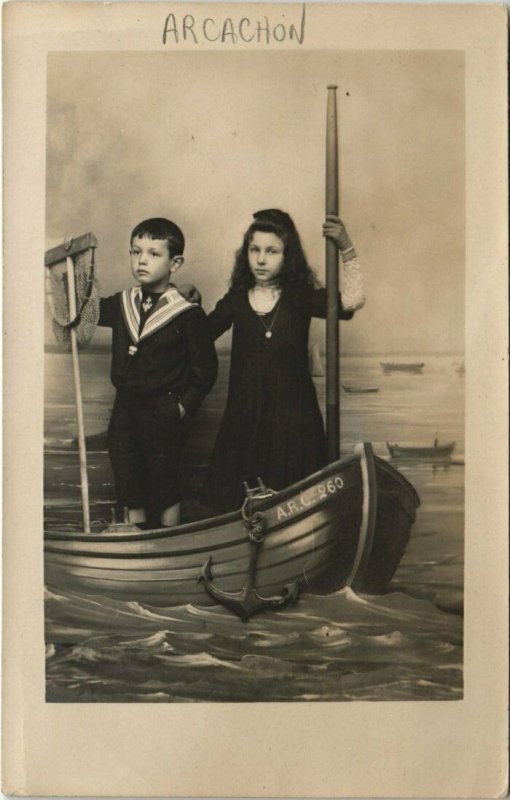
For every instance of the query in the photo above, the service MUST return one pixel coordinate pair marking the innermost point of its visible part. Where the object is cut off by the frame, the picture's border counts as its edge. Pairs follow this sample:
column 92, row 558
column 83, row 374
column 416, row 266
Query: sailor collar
column 170, row 305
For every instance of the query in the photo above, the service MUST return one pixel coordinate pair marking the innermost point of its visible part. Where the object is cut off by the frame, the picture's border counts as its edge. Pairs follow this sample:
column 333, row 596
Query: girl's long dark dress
column 272, row 426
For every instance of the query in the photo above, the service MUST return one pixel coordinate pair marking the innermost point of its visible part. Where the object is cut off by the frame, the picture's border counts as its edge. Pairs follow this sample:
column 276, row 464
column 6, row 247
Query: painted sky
column 208, row 138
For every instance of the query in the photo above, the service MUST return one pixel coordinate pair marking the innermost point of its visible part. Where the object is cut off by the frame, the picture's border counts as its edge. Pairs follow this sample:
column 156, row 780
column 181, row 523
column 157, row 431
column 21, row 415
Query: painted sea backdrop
column 404, row 645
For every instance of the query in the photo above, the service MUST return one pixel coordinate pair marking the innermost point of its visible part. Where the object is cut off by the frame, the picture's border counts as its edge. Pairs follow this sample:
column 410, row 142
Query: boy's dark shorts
column 145, row 441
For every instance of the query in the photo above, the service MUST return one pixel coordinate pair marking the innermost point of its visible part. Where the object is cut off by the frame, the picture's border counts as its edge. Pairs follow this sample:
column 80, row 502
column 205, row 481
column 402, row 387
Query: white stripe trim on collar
column 170, row 305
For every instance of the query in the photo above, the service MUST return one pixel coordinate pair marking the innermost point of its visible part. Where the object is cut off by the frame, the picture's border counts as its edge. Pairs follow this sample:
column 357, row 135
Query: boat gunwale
column 210, row 522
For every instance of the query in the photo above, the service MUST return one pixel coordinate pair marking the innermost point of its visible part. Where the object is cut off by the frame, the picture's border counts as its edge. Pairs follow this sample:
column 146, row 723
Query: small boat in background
column 393, row 366
column 435, row 451
column 315, row 361
column 360, row 389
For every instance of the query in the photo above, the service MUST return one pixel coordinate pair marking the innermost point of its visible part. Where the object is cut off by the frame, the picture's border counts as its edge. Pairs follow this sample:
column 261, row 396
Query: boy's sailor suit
column 162, row 355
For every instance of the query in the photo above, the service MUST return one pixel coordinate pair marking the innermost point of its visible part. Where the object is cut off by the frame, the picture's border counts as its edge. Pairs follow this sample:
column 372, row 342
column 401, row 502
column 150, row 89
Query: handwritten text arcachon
column 186, row 28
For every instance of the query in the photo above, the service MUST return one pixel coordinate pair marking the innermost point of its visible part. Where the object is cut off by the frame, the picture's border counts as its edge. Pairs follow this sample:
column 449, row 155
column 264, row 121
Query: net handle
column 71, row 248
column 67, row 252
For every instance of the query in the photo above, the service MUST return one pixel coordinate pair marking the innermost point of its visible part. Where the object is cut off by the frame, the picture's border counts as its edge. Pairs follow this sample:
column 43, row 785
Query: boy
column 163, row 365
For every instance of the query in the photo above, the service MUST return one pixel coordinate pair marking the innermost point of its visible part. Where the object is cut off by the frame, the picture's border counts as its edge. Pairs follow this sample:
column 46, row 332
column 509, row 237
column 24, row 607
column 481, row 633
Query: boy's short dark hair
column 161, row 228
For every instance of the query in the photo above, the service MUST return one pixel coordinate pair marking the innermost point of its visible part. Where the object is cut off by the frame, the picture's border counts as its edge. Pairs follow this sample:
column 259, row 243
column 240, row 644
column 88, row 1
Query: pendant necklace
column 268, row 329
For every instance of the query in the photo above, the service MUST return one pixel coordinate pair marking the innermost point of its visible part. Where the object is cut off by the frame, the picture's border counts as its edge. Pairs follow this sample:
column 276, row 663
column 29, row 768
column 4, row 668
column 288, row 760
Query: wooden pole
column 77, row 388
column 332, row 326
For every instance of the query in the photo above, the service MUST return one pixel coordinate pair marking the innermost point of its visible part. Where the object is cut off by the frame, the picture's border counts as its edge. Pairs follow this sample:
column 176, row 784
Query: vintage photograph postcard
column 255, row 371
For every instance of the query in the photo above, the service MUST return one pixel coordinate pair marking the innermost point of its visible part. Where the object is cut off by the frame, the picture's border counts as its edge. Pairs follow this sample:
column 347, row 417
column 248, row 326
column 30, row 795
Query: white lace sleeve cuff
column 353, row 296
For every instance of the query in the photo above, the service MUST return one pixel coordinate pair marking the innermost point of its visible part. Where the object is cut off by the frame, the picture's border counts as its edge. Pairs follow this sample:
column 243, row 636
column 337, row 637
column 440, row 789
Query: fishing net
column 85, row 320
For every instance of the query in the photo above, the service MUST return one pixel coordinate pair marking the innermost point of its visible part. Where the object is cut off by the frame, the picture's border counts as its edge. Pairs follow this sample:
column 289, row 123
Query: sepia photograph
column 240, row 521
column 259, row 302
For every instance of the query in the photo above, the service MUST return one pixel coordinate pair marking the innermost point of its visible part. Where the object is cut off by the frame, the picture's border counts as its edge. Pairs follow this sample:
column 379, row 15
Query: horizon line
column 106, row 348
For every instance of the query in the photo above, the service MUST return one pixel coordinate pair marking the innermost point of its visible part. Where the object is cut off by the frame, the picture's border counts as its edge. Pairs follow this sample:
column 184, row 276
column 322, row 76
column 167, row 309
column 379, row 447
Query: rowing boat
column 360, row 389
column 391, row 366
column 346, row 525
column 432, row 451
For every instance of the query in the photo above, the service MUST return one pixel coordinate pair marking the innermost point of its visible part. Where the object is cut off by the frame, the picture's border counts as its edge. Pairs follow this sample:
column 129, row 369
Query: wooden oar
column 332, row 326
column 58, row 254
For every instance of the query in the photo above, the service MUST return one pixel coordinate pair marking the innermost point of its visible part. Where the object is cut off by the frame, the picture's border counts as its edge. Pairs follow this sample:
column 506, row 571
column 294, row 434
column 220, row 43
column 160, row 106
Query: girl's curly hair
column 296, row 273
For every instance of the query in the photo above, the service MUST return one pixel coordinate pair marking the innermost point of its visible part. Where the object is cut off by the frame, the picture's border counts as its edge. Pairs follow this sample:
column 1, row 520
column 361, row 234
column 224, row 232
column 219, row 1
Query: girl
column 272, row 426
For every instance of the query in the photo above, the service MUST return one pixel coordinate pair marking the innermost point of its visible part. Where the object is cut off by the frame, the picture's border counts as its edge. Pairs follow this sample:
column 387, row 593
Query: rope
column 256, row 522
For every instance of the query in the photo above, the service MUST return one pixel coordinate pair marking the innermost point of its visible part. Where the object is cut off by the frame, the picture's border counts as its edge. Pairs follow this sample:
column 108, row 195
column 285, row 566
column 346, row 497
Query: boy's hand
column 190, row 293
column 335, row 230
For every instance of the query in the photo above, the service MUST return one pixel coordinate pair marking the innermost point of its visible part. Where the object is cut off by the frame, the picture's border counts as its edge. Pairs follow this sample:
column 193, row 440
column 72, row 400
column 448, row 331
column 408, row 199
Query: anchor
column 248, row 601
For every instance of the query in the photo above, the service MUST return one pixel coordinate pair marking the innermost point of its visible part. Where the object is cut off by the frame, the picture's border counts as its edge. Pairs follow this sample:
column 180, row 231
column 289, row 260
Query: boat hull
column 346, row 525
